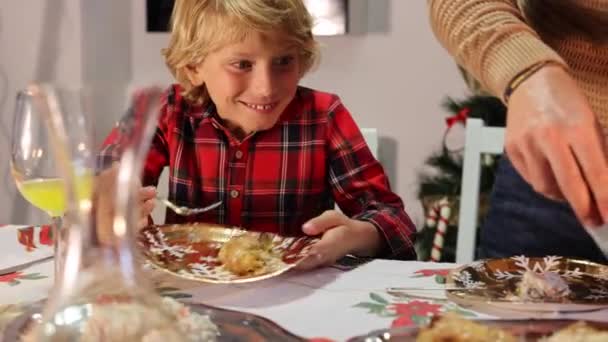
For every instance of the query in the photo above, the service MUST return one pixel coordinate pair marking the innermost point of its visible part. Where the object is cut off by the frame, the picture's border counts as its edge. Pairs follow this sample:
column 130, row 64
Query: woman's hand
column 340, row 236
column 555, row 142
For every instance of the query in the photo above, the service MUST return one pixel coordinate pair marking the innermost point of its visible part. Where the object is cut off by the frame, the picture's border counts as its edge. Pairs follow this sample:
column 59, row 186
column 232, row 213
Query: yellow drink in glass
column 48, row 194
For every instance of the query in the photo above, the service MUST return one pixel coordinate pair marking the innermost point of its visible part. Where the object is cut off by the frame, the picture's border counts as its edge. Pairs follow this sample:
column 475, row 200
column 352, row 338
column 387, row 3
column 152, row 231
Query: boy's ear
column 194, row 74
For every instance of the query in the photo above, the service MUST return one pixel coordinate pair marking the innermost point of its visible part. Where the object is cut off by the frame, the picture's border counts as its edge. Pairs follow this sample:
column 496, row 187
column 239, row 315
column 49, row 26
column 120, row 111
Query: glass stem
column 58, row 245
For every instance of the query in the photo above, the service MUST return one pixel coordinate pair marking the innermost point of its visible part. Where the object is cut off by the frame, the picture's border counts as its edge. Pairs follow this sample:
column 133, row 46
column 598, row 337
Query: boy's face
column 251, row 82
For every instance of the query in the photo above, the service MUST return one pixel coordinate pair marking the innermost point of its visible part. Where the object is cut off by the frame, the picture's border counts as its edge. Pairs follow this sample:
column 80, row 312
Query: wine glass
column 33, row 163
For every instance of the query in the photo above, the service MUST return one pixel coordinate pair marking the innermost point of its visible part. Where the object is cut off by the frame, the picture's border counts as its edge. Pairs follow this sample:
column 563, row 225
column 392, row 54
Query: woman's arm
column 490, row 39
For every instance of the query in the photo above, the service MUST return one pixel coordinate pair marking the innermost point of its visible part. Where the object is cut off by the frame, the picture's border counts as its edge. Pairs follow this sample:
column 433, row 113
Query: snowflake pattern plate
column 190, row 251
column 493, row 282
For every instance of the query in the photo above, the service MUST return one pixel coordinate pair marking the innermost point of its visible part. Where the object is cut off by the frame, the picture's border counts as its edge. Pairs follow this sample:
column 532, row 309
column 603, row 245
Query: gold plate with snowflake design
column 191, row 250
column 493, row 283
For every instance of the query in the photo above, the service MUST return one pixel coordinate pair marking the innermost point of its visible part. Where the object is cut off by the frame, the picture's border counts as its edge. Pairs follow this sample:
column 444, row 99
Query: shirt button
column 234, row 193
column 239, row 154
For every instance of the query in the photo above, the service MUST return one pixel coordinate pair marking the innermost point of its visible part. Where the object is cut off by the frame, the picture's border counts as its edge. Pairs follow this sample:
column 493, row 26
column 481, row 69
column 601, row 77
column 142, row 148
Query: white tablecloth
column 327, row 303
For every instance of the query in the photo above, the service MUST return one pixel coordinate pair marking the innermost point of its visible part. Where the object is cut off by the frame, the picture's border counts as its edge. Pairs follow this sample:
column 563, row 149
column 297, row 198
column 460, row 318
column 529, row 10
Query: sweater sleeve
column 490, row 39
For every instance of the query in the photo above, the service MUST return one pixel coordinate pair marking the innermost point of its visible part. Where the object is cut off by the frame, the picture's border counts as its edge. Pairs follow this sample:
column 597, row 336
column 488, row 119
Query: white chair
column 479, row 140
column 371, row 138
column 158, row 214
column 162, row 188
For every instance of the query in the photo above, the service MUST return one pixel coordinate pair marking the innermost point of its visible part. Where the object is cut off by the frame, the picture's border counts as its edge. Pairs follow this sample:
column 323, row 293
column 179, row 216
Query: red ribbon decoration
column 461, row 116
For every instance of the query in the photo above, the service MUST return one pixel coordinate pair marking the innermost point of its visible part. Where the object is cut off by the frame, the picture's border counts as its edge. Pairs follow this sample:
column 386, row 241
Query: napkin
column 24, row 245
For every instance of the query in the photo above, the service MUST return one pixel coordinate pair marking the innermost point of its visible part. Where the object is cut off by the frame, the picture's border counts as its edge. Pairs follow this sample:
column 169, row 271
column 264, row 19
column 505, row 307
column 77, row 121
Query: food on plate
column 454, row 328
column 578, row 332
column 246, row 255
column 122, row 320
column 545, row 286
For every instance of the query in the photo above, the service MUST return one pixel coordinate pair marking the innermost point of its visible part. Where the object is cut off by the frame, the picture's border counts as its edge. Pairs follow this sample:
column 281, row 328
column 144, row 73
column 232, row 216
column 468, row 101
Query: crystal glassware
column 102, row 294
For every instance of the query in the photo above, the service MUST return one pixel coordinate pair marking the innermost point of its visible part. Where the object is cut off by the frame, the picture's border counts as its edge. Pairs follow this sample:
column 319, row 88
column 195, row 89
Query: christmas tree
column 439, row 184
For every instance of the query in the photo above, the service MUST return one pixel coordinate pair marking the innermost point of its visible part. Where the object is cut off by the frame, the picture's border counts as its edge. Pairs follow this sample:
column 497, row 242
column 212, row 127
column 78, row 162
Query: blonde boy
column 238, row 128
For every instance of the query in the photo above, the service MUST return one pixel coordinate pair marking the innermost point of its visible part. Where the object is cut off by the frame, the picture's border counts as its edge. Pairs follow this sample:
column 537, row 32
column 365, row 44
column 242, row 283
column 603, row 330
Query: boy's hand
column 341, row 236
column 105, row 202
column 147, row 201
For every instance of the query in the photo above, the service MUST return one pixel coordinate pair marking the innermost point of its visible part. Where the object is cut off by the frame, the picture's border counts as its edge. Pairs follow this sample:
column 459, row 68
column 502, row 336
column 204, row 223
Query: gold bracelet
column 522, row 76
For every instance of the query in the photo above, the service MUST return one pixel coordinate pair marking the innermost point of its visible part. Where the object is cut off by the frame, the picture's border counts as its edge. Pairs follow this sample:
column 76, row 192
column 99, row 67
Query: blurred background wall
column 389, row 71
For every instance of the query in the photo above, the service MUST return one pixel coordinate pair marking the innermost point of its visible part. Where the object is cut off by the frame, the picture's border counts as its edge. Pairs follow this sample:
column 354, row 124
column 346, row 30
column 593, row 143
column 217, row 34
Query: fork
column 185, row 211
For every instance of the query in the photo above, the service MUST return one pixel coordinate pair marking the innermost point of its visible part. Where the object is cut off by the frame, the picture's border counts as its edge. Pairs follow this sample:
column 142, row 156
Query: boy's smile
column 263, row 108
column 251, row 82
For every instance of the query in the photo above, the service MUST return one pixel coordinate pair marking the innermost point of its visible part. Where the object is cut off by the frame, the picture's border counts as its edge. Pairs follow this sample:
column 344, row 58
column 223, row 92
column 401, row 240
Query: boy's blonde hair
column 199, row 27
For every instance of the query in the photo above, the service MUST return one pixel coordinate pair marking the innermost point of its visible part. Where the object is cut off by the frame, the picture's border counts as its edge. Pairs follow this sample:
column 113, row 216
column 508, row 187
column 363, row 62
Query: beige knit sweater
column 491, row 39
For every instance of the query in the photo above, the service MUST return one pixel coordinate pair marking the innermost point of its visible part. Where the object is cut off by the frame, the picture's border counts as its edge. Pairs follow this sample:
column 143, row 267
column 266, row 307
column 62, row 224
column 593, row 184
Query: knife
column 600, row 236
column 20, row 267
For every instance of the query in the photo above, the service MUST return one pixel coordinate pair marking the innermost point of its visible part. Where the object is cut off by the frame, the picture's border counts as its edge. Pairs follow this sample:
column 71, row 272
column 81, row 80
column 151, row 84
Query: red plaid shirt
column 273, row 180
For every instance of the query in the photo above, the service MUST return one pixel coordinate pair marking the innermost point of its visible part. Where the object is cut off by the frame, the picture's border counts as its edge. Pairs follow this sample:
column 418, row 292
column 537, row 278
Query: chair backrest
column 479, row 140
column 162, row 188
column 158, row 214
column 371, row 138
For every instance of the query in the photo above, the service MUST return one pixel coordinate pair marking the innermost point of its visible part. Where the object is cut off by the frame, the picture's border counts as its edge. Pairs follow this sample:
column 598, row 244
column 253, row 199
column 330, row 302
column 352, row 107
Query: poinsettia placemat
column 343, row 303
column 23, row 245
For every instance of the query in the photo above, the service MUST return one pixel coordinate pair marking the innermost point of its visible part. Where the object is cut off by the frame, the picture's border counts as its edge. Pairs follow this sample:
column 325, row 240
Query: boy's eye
column 283, row 61
column 242, row 65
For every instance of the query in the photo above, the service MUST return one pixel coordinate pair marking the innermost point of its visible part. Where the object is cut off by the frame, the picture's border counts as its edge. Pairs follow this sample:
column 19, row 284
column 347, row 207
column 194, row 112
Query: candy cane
column 432, row 214
column 442, row 225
